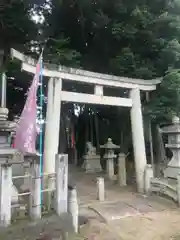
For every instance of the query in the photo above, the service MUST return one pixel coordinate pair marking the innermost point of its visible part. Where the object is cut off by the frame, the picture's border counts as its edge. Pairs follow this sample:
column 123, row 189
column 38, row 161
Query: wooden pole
column 3, row 87
column 96, row 132
column 150, row 134
column 91, row 128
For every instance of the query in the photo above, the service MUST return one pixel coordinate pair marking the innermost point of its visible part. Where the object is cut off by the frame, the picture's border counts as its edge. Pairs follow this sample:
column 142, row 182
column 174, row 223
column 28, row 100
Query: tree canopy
column 137, row 39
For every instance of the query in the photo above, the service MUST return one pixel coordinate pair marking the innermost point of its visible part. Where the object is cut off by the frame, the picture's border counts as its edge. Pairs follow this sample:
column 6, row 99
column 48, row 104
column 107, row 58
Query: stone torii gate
column 56, row 95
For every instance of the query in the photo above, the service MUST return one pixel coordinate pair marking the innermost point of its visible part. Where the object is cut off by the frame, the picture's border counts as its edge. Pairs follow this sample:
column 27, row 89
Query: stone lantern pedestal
column 8, row 156
column 109, row 156
column 173, row 132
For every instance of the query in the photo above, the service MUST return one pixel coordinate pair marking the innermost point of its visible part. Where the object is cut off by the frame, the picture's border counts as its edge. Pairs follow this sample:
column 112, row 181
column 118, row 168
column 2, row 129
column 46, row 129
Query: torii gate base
column 56, row 96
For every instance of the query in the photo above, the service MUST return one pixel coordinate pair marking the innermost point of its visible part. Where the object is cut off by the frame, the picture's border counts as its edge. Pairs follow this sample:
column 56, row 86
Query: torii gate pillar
column 52, row 124
column 138, row 138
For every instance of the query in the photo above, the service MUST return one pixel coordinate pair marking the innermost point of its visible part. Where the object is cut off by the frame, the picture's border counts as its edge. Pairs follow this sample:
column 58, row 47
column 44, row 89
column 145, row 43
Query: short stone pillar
column 8, row 193
column 35, row 198
column 109, row 157
column 5, row 194
column 178, row 189
column 26, row 169
column 61, row 184
column 73, row 208
column 121, row 177
column 100, row 189
column 91, row 159
column 173, row 132
column 148, row 176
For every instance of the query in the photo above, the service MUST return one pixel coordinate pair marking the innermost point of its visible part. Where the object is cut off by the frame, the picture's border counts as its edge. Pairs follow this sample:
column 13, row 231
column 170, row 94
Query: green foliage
column 16, row 28
column 166, row 100
column 137, row 39
column 57, row 52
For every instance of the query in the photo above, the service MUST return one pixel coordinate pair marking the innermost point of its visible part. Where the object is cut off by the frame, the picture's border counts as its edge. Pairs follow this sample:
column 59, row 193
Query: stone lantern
column 173, row 133
column 109, row 156
column 8, row 156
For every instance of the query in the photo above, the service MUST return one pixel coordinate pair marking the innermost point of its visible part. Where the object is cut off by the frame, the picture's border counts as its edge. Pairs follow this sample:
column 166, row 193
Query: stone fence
column 165, row 186
column 37, row 188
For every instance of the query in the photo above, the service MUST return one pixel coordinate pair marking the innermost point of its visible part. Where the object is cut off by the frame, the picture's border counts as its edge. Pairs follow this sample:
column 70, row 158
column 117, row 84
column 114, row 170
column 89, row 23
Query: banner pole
column 41, row 127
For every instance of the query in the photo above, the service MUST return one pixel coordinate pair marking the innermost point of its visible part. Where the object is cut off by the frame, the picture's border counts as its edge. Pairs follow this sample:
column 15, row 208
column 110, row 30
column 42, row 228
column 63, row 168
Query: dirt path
column 127, row 214
column 152, row 226
column 158, row 224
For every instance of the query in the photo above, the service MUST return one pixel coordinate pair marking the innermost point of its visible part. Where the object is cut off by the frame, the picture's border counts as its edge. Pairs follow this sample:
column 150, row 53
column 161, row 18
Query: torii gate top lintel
column 74, row 74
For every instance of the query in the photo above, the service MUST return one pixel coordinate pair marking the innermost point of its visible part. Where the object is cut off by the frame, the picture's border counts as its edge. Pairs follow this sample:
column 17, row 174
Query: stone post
column 122, row 170
column 5, row 194
column 26, row 167
column 100, row 189
column 178, row 189
column 61, row 192
column 147, row 178
column 35, row 198
column 73, row 208
column 138, row 139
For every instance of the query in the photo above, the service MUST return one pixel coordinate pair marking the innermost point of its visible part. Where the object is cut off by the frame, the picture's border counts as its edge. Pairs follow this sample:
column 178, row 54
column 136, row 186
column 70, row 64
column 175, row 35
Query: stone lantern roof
column 7, row 154
column 174, row 128
column 110, row 145
column 5, row 125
